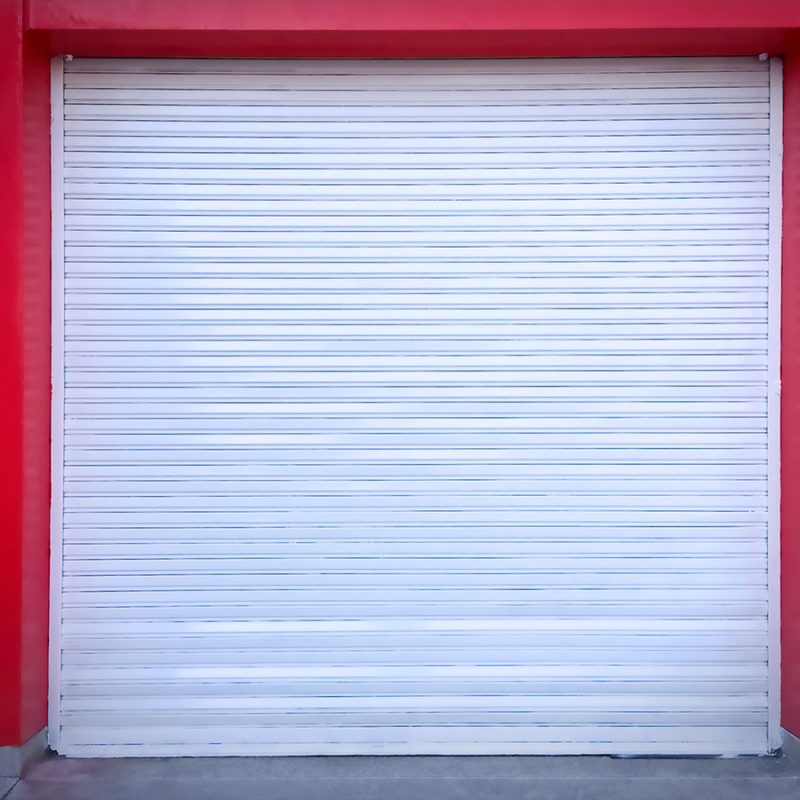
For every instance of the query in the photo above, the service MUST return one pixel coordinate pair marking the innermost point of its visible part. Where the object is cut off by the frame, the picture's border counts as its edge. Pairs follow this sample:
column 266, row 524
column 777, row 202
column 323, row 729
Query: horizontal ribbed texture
column 415, row 407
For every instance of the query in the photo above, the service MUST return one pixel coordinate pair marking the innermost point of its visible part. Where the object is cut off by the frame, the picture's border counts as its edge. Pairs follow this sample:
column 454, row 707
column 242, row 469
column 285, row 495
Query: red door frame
column 31, row 31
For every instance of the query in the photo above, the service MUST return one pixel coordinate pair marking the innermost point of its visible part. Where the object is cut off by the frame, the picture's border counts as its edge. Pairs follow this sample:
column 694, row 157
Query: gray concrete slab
column 9, row 762
column 419, row 789
column 15, row 760
column 5, row 786
column 57, row 768
column 420, row 778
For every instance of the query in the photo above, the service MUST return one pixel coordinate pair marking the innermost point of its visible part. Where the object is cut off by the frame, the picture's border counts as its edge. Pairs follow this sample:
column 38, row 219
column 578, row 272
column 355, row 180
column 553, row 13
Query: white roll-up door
column 414, row 407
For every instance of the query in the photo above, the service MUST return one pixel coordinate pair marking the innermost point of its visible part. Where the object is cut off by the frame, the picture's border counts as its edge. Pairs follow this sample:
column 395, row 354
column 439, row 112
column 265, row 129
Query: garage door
column 415, row 407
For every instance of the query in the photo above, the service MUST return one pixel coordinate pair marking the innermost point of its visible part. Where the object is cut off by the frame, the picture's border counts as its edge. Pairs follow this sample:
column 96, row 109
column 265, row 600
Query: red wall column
column 24, row 385
column 35, row 285
column 11, row 445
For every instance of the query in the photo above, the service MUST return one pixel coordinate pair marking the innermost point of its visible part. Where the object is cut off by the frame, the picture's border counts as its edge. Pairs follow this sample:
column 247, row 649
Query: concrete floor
column 421, row 778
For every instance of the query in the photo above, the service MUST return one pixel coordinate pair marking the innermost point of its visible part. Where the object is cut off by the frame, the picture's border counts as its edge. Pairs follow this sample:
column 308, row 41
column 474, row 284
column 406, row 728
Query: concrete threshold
column 412, row 778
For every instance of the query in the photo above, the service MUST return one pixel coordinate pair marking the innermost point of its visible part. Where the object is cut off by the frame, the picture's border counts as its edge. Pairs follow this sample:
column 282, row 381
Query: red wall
column 25, row 392
column 32, row 30
column 412, row 15
column 790, row 404
column 35, row 323
column 414, row 28
column 11, row 343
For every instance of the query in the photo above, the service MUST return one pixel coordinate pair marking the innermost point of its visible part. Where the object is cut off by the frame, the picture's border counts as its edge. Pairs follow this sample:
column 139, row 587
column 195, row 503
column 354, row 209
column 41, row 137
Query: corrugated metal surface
column 415, row 407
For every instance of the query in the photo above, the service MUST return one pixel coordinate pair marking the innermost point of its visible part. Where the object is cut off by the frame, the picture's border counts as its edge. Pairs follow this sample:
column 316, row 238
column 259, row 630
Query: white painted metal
column 774, row 407
column 57, row 410
column 416, row 407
